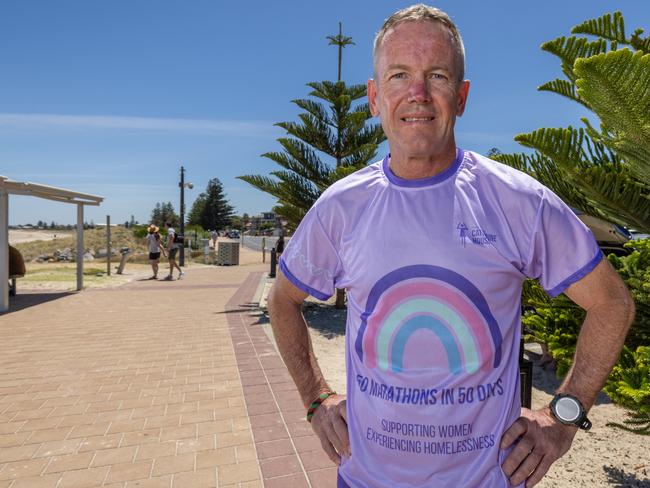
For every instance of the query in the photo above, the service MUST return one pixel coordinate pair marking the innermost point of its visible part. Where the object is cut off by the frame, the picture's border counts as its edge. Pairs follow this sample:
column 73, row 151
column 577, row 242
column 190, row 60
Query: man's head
column 423, row 13
column 418, row 90
column 167, row 225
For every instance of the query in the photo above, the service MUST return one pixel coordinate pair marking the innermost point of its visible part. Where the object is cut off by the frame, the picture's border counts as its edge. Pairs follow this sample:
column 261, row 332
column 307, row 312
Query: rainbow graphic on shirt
column 435, row 299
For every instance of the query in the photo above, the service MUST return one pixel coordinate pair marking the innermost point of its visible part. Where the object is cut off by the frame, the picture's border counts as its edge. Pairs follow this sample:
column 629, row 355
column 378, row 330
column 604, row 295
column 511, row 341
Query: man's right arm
column 292, row 337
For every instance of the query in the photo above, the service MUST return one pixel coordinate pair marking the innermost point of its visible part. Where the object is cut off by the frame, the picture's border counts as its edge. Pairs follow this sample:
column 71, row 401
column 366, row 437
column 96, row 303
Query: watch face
column 567, row 409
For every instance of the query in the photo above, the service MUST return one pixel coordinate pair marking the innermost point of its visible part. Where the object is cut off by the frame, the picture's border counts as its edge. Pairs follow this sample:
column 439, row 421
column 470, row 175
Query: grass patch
column 64, row 275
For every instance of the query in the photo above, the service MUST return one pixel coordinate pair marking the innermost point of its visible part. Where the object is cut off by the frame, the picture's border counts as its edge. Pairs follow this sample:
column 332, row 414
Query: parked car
column 610, row 237
column 232, row 234
column 638, row 235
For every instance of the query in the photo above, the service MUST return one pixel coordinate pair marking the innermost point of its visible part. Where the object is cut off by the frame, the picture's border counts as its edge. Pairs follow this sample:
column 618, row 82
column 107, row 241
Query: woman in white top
column 155, row 248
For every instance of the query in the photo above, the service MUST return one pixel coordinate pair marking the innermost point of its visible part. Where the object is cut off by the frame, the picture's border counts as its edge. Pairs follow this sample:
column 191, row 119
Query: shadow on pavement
column 243, row 307
column 25, row 300
column 253, row 309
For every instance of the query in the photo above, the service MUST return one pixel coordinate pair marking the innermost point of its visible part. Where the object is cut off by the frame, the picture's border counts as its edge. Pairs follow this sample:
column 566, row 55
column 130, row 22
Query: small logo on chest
column 475, row 235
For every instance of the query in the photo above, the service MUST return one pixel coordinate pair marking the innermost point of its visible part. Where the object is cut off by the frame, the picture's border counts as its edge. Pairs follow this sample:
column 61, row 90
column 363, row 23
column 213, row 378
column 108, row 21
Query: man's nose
column 419, row 92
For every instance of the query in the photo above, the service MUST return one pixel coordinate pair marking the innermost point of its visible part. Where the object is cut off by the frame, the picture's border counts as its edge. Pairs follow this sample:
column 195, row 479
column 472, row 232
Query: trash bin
column 228, row 254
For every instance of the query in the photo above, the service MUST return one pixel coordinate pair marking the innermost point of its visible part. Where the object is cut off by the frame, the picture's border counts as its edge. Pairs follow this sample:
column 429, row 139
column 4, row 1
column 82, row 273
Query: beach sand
column 17, row 236
column 604, row 456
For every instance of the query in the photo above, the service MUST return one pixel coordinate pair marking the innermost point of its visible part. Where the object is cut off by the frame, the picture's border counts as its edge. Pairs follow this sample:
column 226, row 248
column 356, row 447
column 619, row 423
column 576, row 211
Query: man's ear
column 372, row 98
column 463, row 93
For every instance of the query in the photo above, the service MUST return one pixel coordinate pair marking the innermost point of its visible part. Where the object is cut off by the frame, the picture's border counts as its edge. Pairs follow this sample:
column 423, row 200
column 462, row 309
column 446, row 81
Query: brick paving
column 289, row 453
column 152, row 384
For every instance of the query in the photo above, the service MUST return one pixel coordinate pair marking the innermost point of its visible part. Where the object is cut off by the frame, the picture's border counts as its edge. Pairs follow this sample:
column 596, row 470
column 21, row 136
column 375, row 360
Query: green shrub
column 554, row 323
column 629, row 385
column 635, row 271
column 140, row 231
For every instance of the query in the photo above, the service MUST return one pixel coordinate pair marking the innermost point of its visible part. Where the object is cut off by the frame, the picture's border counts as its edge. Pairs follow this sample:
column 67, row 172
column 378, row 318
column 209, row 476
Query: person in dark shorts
column 172, row 250
column 279, row 246
column 154, row 242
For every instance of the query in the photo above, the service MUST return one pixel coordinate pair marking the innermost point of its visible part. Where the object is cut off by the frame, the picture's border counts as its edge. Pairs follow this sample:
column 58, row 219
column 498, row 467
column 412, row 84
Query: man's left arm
column 543, row 439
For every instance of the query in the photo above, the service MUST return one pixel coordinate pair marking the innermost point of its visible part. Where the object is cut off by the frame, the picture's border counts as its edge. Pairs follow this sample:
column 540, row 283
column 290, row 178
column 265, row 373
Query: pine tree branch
column 617, row 87
column 565, row 89
column 608, row 26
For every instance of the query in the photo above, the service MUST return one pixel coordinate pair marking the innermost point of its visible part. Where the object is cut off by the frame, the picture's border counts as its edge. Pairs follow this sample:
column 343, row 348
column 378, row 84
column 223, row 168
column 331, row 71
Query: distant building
column 263, row 221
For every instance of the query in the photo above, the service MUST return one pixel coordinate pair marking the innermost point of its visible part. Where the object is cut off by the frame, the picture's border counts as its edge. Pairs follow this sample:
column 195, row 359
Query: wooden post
column 4, row 250
column 108, row 245
column 80, row 246
column 264, row 249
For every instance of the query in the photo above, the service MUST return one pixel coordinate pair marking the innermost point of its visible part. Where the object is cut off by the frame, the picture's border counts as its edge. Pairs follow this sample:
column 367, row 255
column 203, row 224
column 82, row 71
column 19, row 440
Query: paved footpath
column 151, row 384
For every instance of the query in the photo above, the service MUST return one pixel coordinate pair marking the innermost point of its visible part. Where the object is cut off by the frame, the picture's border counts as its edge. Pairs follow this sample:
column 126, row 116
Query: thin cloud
column 76, row 122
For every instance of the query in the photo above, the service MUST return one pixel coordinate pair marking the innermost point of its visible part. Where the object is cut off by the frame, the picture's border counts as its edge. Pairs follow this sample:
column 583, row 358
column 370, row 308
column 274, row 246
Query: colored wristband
column 317, row 403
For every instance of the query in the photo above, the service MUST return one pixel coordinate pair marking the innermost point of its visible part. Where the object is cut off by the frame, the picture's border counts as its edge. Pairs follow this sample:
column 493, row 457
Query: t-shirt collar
column 420, row 182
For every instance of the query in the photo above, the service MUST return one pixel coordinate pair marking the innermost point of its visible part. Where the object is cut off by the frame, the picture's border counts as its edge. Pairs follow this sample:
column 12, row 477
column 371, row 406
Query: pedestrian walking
column 172, row 250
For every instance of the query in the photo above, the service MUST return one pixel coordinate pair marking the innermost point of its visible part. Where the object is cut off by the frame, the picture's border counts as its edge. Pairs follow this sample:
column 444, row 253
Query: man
column 214, row 235
column 172, row 250
column 433, row 324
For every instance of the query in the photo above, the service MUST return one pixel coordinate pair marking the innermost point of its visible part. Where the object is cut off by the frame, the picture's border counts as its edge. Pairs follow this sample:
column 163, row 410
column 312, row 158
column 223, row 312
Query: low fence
column 257, row 242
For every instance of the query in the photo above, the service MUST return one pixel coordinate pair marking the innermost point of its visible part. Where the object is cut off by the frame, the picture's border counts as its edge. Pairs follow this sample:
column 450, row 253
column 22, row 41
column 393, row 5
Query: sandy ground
column 62, row 276
column 19, row 236
column 604, row 456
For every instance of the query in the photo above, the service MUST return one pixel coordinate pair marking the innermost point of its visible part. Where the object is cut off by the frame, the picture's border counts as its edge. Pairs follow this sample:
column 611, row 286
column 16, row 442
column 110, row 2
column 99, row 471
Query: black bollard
column 274, row 262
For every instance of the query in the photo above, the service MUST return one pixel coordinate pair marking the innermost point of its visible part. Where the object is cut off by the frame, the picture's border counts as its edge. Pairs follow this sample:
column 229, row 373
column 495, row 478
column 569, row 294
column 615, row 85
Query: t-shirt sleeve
column 563, row 249
column 310, row 259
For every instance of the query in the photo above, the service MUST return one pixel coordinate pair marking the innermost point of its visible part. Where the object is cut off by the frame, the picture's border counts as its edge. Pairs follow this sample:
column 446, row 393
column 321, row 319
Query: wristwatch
column 568, row 410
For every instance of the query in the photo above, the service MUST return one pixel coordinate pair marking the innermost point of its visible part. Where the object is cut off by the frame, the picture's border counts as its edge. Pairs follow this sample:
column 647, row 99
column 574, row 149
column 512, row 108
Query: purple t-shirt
column 433, row 270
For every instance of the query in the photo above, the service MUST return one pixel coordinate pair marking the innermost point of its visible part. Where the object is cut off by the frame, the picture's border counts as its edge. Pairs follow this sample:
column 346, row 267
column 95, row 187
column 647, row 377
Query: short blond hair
column 423, row 13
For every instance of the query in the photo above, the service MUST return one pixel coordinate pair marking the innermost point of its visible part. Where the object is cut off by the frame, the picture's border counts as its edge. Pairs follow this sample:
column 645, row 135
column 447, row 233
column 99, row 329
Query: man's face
column 416, row 91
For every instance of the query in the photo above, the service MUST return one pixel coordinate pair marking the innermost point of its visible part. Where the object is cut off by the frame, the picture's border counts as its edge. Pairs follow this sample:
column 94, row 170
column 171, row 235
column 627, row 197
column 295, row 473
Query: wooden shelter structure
column 11, row 187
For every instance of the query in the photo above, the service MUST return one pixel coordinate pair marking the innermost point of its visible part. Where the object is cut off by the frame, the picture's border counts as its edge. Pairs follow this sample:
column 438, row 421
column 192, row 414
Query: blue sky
column 111, row 98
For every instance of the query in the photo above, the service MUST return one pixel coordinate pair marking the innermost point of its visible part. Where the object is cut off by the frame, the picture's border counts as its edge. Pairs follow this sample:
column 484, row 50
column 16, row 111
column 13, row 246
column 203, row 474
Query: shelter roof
column 49, row 192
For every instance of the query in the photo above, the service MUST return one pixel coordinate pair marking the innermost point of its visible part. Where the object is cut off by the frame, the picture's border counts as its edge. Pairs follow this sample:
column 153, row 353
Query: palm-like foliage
column 604, row 172
column 331, row 125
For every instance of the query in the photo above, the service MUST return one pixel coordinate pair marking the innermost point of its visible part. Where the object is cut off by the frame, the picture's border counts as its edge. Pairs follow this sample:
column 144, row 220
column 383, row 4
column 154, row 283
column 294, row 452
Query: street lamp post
column 183, row 185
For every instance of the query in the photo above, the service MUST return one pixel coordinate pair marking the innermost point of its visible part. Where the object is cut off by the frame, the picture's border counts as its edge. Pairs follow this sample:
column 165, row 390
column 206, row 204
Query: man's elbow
column 622, row 305
column 630, row 308
column 272, row 300
column 279, row 304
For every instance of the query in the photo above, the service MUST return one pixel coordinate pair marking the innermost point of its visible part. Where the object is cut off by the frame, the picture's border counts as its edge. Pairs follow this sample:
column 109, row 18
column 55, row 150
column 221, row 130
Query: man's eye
column 438, row 76
column 398, row 76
